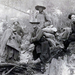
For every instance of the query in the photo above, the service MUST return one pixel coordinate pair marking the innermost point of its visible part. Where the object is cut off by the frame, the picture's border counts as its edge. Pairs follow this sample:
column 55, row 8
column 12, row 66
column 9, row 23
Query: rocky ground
column 63, row 65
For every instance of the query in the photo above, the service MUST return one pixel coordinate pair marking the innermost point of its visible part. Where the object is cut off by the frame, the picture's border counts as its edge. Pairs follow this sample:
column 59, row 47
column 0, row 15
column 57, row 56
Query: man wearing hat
column 71, row 37
column 11, row 44
column 41, row 50
column 42, row 17
column 17, row 27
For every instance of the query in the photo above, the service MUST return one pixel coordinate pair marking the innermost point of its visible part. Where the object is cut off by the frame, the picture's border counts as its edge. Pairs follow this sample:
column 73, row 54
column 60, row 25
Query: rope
column 16, row 9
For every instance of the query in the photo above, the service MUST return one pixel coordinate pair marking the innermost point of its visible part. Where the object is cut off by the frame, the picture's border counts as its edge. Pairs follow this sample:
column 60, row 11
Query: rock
column 31, row 47
column 65, row 66
column 25, row 57
column 25, row 45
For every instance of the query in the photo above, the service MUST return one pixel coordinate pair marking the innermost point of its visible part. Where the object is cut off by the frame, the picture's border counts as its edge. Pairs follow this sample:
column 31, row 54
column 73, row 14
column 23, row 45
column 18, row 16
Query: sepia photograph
column 37, row 37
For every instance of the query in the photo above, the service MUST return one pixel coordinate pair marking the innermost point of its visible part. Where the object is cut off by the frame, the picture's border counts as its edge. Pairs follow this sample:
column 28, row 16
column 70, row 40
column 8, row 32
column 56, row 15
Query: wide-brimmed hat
column 40, row 6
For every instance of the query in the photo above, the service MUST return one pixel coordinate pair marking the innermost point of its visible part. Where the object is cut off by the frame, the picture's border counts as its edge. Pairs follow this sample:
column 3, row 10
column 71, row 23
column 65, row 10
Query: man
column 42, row 17
column 71, row 37
column 16, row 26
column 41, row 50
column 10, row 45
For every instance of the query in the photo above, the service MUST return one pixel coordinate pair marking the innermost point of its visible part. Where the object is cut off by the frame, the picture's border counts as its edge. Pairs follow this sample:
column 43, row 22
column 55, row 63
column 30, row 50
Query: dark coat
column 41, row 46
column 73, row 28
column 71, row 37
column 36, row 35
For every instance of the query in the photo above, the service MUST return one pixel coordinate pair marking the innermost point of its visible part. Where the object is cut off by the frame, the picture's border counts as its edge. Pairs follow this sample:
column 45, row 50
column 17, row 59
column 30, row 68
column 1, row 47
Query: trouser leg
column 44, row 55
column 66, row 44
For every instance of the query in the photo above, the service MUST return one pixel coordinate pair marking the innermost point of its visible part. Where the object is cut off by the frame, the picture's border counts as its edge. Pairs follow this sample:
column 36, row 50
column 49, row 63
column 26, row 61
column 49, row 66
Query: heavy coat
column 4, row 40
column 41, row 46
column 10, row 42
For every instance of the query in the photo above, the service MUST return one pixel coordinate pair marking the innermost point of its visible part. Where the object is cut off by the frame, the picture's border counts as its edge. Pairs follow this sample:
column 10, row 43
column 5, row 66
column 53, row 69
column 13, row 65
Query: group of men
column 43, row 37
column 43, row 42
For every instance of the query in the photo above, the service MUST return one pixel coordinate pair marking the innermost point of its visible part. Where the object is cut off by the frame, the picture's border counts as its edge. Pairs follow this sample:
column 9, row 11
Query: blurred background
column 23, row 10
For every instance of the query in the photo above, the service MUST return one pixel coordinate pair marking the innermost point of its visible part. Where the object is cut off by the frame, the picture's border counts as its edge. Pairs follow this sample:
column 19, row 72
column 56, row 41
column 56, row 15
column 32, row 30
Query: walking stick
column 8, row 71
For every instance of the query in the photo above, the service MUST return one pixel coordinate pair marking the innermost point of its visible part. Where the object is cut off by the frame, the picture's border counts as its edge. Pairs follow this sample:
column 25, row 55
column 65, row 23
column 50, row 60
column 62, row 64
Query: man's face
column 40, row 10
column 35, row 28
column 14, row 27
